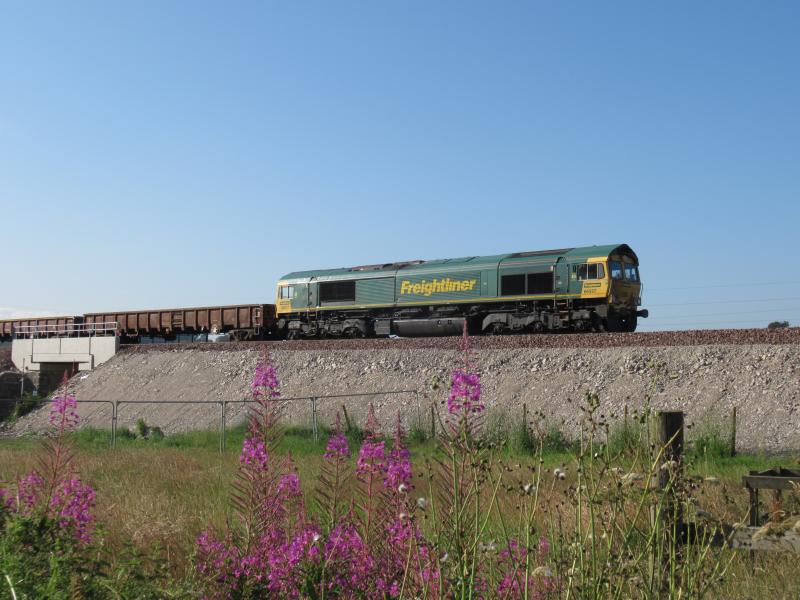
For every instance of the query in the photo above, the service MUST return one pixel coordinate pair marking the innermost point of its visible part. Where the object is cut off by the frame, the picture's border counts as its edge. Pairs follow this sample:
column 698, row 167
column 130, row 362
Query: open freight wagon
column 241, row 321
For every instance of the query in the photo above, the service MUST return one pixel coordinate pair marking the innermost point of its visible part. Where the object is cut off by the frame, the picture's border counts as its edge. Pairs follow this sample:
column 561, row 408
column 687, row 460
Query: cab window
column 286, row 292
column 589, row 271
column 616, row 269
column 631, row 272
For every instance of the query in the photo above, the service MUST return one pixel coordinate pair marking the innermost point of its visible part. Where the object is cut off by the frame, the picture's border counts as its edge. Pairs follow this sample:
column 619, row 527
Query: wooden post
column 347, row 424
column 668, row 438
column 733, row 432
column 433, row 423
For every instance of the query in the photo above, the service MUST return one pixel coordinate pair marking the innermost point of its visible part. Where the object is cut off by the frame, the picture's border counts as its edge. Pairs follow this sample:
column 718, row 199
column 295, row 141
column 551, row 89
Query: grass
column 160, row 493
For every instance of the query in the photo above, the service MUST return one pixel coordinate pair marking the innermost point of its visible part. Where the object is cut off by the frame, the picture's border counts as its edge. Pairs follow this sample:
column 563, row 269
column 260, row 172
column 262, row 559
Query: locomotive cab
column 624, row 292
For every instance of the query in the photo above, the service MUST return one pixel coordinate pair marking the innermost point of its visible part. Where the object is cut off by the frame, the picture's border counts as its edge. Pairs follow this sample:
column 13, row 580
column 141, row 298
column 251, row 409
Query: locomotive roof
column 477, row 262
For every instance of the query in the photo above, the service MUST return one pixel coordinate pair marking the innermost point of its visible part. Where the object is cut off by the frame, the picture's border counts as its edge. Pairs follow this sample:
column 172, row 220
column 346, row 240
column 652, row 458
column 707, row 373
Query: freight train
column 595, row 288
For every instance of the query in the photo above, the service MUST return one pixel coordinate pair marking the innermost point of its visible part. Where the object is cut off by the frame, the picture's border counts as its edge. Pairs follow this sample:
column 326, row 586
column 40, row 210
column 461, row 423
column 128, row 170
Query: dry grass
column 162, row 497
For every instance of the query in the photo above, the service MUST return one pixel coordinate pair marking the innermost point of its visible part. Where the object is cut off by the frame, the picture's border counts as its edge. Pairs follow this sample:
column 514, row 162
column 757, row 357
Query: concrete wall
column 84, row 352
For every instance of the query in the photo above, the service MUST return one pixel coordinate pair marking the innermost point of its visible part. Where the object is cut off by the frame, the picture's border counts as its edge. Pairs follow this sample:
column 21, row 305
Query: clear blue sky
column 163, row 154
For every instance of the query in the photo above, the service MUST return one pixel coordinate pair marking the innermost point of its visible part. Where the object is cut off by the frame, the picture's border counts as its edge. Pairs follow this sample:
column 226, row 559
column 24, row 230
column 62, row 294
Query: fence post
column 419, row 414
column 433, row 422
column 314, row 418
column 222, row 427
column 733, row 432
column 668, row 426
column 114, row 411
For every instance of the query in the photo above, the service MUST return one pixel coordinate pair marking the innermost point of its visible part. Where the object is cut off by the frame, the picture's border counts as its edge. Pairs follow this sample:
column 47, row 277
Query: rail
column 64, row 330
column 223, row 406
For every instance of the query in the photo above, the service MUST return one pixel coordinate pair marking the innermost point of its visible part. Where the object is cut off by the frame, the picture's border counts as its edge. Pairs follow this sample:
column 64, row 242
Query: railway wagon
column 242, row 321
column 594, row 288
column 41, row 326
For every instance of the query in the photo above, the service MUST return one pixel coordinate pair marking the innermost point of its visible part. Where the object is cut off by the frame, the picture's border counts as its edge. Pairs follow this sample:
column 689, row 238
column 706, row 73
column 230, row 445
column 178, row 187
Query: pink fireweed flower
column 512, row 562
column 371, row 458
column 349, row 561
column 465, row 393
column 29, row 489
column 288, row 561
column 289, row 486
column 216, row 558
column 73, row 502
column 398, row 468
column 265, row 378
column 62, row 412
column 337, row 444
column 254, row 453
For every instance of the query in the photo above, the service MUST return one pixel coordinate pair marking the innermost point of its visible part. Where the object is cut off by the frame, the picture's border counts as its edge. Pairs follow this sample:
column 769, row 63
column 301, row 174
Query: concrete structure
column 84, row 353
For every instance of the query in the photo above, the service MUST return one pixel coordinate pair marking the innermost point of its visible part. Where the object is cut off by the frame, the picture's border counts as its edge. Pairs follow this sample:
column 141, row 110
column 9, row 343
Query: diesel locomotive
column 595, row 288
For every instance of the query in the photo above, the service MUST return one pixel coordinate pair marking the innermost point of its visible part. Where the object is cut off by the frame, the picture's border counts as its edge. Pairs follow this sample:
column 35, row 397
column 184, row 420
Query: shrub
column 141, row 429
column 711, row 442
column 627, row 439
column 778, row 325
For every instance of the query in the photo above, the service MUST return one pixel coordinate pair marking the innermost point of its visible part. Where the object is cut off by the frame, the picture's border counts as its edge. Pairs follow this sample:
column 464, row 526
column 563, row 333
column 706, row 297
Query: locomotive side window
column 616, row 269
column 540, row 283
column 287, row 292
column 512, row 285
column 337, row 291
column 592, row 271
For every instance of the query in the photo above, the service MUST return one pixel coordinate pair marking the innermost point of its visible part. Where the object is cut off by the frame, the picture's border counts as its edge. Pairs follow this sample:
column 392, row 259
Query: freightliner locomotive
column 595, row 288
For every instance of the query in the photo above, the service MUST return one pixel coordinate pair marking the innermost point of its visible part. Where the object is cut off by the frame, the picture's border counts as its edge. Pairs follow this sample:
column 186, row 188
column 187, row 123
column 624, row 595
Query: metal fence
column 44, row 330
column 314, row 403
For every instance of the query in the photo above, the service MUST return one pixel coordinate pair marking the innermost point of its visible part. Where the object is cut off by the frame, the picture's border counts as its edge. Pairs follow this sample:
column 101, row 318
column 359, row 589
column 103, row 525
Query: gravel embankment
column 761, row 379
column 703, row 337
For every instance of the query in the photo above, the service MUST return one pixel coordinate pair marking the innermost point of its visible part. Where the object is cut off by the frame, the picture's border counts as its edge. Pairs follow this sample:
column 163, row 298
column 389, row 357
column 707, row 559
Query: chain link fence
column 318, row 411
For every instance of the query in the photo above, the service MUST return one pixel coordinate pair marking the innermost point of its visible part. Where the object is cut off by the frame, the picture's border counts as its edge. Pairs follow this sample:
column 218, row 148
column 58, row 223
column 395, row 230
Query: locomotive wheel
column 597, row 323
column 497, row 329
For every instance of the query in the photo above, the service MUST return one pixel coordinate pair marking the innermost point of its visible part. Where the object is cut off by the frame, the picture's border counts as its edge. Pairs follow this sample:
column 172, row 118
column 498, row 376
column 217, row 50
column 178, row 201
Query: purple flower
column 254, row 454
column 512, row 563
column 289, row 485
column 62, row 412
column 465, row 393
column 337, row 447
column 265, row 380
column 398, row 468
column 29, row 489
column 73, row 502
column 371, row 458
column 349, row 561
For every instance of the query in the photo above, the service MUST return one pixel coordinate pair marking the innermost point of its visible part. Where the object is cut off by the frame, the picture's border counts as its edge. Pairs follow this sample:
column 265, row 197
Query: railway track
column 564, row 340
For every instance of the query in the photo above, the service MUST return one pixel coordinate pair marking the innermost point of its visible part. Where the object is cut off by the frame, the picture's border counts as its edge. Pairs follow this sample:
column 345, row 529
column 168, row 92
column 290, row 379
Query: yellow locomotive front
column 615, row 281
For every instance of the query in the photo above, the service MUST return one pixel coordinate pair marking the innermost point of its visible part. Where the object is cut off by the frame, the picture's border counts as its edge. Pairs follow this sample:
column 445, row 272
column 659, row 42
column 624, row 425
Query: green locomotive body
column 593, row 288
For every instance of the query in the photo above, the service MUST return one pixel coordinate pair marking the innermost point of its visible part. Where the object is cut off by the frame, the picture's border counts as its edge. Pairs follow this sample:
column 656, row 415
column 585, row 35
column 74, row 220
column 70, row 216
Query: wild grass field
column 488, row 509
